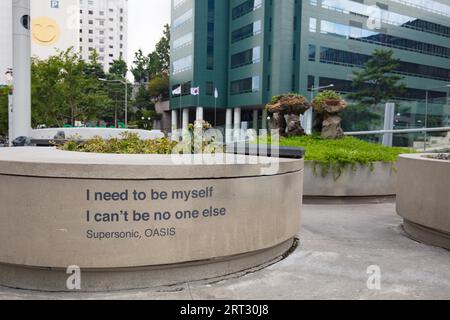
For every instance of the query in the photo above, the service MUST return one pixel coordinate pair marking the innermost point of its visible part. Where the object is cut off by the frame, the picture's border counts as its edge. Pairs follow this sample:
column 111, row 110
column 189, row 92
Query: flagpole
column 215, row 107
column 181, row 111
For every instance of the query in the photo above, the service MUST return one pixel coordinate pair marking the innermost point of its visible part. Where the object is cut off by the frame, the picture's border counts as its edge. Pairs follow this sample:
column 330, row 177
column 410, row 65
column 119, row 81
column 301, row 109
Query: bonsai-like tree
column 328, row 104
column 291, row 105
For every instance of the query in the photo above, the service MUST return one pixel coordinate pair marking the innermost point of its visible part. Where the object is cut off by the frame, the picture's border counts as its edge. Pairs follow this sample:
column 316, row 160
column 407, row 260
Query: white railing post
column 389, row 118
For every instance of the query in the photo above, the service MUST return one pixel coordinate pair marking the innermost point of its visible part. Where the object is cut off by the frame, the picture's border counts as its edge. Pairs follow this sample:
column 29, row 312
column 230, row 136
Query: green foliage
column 65, row 88
column 4, row 111
column 336, row 155
column 128, row 143
column 118, row 69
column 324, row 96
column 163, row 52
column 276, row 99
column 141, row 67
column 158, row 87
column 377, row 83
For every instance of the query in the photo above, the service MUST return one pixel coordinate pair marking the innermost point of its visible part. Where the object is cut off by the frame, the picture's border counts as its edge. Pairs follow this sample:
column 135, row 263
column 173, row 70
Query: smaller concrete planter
column 379, row 179
column 423, row 198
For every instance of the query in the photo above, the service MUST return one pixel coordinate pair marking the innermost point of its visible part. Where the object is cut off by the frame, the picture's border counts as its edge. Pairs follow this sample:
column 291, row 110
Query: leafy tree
column 118, row 69
column 163, row 51
column 93, row 67
column 377, row 83
column 159, row 87
column 141, row 67
column 65, row 88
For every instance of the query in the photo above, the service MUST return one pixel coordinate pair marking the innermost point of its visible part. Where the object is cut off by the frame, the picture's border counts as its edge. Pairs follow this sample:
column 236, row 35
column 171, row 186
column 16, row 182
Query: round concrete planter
column 423, row 198
column 244, row 216
column 361, row 181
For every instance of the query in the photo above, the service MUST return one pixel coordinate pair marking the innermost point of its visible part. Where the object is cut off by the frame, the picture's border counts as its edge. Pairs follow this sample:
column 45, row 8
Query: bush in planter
column 328, row 104
column 334, row 156
column 128, row 143
column 291, row 105
column 131, row 143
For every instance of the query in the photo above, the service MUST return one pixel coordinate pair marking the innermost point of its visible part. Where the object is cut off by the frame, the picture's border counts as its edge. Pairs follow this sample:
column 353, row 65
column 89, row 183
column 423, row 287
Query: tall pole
column 21, row 121
column 10, row 118
column 126, row 104
column 426, row 120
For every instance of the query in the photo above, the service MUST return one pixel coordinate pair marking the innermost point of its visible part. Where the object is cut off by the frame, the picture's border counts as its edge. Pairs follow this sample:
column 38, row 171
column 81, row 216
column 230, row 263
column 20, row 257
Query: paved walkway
column 338, row 243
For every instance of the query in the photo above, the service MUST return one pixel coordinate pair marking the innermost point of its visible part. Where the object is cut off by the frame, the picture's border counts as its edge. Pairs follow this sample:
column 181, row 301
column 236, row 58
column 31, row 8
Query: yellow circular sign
column 45, row 31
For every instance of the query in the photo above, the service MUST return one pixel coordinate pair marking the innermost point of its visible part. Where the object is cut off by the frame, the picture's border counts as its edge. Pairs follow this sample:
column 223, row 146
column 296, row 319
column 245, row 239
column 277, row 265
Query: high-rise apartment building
column 251, row 50
column 56, row 25
column 104, row 28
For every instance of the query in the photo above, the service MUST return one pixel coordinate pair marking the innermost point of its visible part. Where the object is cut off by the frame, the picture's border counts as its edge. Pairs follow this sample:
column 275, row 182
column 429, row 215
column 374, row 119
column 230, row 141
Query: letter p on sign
column 74, row 280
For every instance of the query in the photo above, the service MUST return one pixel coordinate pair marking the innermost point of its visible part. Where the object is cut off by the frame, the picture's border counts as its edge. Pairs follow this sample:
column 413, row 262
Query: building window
column 312, row 25
column 246, row 31
column 245, row 8
column 246, row 57
column 312, row 52
column 311, row 82
column 210, row 30
column 247, row 85
column 359, row 34
column 182, row 64
column 209, row 88
column 351, row 59
column 185, row 17
column 183, row 41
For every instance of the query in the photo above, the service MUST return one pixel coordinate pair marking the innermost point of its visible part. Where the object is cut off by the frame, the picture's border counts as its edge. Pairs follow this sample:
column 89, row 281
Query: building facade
column 5, row 39
column 104, row 28
column 251, row 50
column 57, row 25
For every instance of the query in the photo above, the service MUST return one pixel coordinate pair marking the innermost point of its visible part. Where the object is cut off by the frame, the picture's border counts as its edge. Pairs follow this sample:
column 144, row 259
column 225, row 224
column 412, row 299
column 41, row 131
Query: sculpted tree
column 328, row 105
column 289, row 106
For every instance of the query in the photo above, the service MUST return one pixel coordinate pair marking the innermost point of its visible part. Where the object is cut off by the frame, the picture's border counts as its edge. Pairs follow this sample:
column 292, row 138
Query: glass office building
column 251, row 50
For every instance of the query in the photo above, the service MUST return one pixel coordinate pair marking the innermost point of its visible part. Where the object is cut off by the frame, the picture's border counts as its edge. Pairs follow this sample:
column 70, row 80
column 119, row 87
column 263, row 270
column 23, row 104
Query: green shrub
column 128, row 143
column 323, row 96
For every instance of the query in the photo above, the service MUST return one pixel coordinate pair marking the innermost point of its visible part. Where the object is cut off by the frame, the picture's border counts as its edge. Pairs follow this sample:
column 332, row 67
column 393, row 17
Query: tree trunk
column 294, row 127
column 278, row 122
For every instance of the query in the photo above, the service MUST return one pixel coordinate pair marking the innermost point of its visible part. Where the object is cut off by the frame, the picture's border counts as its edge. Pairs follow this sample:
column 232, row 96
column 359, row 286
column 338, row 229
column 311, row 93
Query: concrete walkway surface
column 339, row 243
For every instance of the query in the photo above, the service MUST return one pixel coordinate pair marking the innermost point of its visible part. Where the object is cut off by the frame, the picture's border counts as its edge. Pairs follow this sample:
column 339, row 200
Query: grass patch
column 336, row 155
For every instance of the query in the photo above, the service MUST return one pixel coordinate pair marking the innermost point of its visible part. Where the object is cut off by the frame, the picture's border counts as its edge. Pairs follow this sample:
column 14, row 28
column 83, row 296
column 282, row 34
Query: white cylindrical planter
column 22, row 68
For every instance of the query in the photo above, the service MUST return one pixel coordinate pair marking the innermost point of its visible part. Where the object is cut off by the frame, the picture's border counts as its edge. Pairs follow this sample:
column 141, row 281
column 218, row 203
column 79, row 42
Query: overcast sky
column 145, row 22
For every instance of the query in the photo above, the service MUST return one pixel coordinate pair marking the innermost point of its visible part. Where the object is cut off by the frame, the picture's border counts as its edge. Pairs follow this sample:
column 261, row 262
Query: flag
column 177, row 91
column 195, row 91
column 216, row 93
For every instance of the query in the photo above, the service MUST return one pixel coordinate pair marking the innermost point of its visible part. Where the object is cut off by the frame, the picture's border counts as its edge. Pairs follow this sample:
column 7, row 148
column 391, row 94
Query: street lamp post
column 308, row 117
column 9, row 81
column 427, row 95
column 126, row 97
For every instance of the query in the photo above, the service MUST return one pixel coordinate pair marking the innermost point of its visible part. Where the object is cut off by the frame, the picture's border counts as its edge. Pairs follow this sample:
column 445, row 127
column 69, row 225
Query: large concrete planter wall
column 50, row 219
column 362, row 181
column 423, row 198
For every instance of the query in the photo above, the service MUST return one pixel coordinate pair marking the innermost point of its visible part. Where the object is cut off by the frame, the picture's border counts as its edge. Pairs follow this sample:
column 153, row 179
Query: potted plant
column 291, row 105
column 327, row 105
